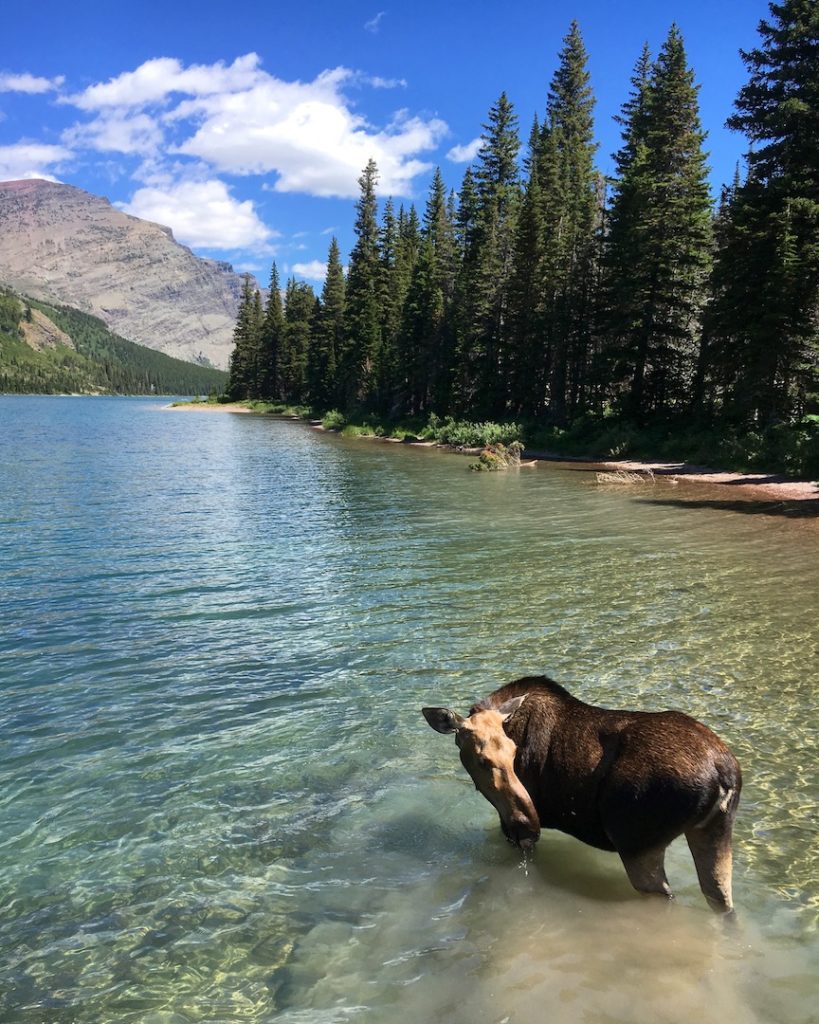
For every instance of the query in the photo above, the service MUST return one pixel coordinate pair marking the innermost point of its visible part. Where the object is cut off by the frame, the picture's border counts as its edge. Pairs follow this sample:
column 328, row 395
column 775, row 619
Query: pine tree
column 363, row 320
column 426, row 324
column 327, row 335
column 571, row 189
column 389, row 304
column 270, row 338
column 660, row 238
column 242, row 370
column 627, row 267
column 765, row 323
column 396, row 394
column 486, row 226
column 526, row 366
column 299, row 307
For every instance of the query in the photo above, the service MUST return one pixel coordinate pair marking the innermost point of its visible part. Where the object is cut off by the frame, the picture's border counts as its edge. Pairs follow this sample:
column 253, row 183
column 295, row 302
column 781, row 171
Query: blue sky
column 244, row 128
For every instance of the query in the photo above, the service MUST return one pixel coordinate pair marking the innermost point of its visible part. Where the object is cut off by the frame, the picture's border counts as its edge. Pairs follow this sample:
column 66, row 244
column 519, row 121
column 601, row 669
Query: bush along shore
column 791, row 452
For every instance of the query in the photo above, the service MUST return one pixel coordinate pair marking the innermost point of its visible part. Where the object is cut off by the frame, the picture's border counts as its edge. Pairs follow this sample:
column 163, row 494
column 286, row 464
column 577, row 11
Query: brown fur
column 628, row 781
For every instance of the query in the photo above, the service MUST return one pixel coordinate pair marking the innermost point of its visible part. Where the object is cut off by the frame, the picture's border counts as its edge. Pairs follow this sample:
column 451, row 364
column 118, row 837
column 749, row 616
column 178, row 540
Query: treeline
column 101, row 361
column 546, row 293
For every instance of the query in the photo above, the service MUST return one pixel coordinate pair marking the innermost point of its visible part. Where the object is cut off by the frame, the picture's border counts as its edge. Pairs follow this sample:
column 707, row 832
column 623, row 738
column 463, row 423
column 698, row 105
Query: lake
column 220, row 802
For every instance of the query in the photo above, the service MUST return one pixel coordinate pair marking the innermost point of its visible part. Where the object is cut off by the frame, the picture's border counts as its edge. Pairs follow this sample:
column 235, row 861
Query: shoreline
column 209, row 407
column 749, row 486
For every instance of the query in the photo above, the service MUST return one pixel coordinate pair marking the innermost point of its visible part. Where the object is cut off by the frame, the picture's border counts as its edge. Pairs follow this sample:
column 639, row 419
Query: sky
column 245, row 128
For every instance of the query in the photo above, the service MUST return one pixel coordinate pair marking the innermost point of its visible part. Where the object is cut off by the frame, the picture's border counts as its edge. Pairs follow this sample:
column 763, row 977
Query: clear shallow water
column 219, row 801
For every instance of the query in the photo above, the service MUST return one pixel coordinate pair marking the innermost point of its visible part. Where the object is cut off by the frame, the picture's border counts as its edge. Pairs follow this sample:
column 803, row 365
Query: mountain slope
column 54, row 350
column 66, row 246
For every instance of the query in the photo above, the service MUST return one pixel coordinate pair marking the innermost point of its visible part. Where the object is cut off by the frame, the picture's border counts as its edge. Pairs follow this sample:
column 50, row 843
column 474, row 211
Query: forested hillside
column 99, row 362
column 612, row 309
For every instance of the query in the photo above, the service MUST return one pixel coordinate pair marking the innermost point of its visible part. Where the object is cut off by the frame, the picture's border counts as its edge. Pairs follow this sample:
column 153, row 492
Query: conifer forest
column 543, row 293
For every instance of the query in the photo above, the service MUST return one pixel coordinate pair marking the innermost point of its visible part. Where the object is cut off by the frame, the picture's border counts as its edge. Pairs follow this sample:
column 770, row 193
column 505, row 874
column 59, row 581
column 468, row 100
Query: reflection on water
column 219, row 801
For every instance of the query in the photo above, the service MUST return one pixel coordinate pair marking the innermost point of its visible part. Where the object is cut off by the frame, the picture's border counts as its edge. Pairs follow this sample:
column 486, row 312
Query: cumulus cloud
column 117, row 132
column 308, row 135
column 155, row 80
column 240, row 120
column 31, row 160
column 314, row 270
column 464, row 154
column 202, row 214
column 27, row 83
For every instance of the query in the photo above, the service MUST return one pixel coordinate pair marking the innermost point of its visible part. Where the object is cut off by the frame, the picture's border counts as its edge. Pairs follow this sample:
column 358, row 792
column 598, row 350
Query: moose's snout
column 521, row 832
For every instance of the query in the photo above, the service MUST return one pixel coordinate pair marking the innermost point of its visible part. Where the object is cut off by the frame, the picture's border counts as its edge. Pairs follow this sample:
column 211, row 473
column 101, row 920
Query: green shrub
column 465, row 434
column 496, row 457
column 334, row 420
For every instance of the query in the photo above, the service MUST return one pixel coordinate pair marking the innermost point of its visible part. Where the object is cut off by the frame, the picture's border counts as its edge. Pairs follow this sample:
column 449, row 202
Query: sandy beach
column 207, row 407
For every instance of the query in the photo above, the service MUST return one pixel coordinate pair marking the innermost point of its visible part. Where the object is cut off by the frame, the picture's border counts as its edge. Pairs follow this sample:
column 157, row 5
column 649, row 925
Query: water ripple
column 219, row 801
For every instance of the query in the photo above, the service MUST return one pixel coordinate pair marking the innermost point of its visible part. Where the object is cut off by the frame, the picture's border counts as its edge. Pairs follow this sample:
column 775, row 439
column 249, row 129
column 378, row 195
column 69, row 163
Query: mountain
column 66, row 246
column 55, row 350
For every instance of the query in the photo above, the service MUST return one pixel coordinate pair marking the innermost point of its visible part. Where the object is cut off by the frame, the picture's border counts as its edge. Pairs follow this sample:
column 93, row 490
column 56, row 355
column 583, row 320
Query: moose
column 626, row 781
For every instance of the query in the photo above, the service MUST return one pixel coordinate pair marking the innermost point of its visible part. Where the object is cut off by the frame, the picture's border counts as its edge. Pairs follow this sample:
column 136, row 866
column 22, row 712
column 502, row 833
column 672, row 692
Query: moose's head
column 488, row 754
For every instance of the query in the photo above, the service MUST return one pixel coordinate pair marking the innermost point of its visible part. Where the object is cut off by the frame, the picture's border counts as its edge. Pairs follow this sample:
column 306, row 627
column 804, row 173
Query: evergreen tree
column 571, row 192
column 426, row 327
column 660, row 236
column 299, row 307
column 763, row 323
column 327, row 337
column 627, row 267
column 270, row 339
column 389, row 304
column 525, row 357
column 397, row 393
column 363, row 318
column 486, row 226
column 243, row 361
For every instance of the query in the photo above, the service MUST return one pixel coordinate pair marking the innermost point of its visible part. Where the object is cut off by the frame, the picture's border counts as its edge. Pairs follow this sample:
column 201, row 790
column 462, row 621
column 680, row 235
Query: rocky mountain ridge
column 63, row 245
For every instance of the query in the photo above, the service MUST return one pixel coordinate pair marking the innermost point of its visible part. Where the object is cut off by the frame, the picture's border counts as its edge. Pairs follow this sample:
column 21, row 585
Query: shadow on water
column 805, row 509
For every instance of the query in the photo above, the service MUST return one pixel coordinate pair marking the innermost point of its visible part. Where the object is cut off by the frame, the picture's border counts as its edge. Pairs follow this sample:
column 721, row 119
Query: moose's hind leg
column 710, row 846
column 646, row 871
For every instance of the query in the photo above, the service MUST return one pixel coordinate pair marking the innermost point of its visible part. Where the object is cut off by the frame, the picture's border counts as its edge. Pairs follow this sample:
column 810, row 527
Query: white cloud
column 28, row 83
column 117, row 132
column 31, row 160
column 155, row 80
column 464, row 154
column 374, row 24
column 314, row 270
column 308, row 135
column 377, row 82
column 240, row 120
column 202, row 214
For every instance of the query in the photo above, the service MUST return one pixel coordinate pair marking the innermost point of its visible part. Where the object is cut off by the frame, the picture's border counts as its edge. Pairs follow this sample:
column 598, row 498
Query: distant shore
column 748, row 486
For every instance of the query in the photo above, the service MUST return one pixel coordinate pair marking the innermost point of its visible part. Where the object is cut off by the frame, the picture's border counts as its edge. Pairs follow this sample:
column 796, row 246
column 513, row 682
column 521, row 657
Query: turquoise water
column 219, row 801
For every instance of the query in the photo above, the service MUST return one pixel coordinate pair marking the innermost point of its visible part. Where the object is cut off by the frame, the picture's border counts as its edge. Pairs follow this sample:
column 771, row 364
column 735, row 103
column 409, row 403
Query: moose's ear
column 509, row 707
column 442, row 719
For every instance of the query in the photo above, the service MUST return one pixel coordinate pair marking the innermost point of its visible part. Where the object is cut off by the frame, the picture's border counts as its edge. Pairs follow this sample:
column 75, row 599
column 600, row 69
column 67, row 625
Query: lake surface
column 220, row 803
